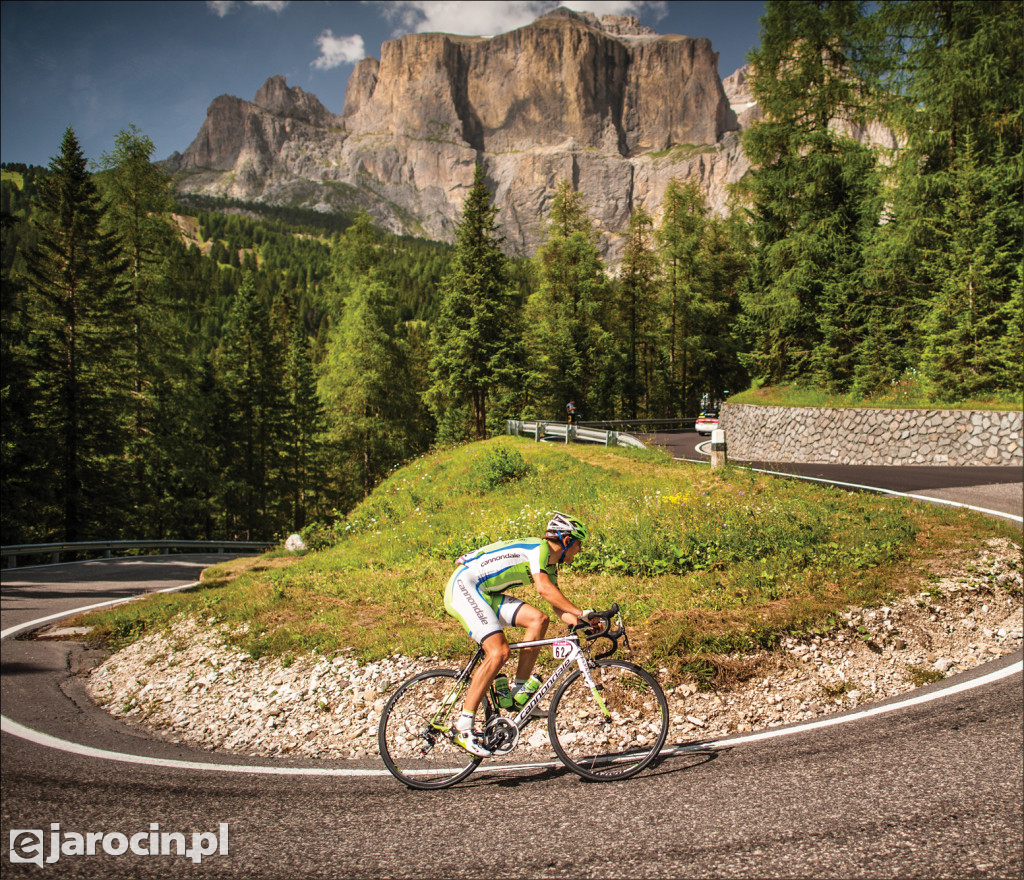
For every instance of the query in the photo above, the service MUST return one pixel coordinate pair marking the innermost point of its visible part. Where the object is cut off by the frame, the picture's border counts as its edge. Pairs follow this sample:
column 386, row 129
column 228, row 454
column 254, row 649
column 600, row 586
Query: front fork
column 595, row 689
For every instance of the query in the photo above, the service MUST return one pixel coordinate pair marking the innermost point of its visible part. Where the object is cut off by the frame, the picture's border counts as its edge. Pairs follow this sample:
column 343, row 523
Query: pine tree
column 724, row 255
column 569, row 316
column 477, row 348
column 680, row 239
column 139, row 203
column 16, row 436
column 956, row 213
column 78, row 352
column 366, row 390
column 359, row 250
column 703, row 262
column 303, row 418
column 1009, row 355
column 250, row 365
column 814, row 191
column 974, row 269
column 638, row 319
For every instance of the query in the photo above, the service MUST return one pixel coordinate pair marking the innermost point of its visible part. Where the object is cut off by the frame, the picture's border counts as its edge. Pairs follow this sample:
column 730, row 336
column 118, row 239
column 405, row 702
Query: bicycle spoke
column 414, row 733
column 614, row 740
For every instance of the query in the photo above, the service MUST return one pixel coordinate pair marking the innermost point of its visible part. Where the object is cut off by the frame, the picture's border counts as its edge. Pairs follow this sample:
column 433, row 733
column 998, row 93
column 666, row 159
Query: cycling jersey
column 474, row 593
column 506, row 564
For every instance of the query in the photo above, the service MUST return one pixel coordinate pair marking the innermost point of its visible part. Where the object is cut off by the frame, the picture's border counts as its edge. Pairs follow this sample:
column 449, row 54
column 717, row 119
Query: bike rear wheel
column 615, row 741
column 414, row 734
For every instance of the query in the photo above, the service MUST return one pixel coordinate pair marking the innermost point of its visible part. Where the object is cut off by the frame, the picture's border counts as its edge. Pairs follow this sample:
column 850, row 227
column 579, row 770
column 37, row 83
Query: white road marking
column 36, row 624
column 928, row 498
column 9, row 726
column 969, row 684
column 122, row 560
column 12, row 727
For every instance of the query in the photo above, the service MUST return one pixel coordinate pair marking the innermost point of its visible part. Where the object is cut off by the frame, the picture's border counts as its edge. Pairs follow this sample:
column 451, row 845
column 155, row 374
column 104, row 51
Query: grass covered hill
column 704, row 563
column 908, row 393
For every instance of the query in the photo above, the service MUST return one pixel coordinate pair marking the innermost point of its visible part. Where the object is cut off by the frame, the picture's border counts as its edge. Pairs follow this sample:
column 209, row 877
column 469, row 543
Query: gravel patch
column 186, row 685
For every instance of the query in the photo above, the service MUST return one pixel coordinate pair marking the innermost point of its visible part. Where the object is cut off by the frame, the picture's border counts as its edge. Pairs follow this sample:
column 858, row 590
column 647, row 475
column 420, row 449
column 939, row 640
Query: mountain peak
column 275, row 96
column 605, row 103
column 616, row 25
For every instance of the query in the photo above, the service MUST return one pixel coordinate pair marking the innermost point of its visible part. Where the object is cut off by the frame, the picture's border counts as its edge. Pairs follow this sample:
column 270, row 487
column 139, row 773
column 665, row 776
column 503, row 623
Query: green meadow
column 708, row 566
column 908, row 393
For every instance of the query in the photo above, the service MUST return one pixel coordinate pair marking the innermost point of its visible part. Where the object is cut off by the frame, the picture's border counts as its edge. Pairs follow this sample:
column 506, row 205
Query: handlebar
column 585, row 630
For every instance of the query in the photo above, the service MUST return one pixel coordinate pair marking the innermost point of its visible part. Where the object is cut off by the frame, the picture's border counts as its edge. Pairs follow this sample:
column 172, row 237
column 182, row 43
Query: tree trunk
column 480, row 413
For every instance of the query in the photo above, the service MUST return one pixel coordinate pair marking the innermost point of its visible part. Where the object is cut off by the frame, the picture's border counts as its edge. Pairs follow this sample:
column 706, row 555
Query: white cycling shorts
column 482, row 614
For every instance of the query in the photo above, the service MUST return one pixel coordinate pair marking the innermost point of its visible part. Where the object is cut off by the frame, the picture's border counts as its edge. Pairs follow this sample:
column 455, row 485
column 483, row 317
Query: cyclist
column 475, row 596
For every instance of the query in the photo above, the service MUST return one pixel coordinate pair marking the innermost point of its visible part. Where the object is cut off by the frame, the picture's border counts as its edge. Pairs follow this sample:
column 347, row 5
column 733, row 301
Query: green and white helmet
column 562, row 525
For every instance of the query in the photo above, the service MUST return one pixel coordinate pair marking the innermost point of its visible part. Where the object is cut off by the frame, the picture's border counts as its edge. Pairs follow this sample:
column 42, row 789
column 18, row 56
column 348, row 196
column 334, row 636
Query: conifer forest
column 185, row 367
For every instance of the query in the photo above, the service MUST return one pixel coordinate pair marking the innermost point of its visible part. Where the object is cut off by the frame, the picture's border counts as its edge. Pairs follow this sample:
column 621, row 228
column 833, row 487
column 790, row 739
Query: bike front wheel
column 414, row 735
column 615, row 733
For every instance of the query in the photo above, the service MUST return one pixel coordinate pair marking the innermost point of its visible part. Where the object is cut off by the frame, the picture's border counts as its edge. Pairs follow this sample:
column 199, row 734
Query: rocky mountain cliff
column 607, row 104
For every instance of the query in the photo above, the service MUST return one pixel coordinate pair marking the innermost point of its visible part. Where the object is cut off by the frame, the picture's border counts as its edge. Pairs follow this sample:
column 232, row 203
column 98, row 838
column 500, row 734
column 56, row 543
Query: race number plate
column 561, row 650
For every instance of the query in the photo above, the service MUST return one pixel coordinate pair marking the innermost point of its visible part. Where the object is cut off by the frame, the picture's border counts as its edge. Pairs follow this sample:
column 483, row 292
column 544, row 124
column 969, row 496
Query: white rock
column 228, row 710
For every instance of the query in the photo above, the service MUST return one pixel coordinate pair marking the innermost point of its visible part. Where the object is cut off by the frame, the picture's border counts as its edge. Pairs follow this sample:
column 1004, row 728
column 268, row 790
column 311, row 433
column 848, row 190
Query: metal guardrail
column 541, row 430
column 647, row 426
column 55, row 550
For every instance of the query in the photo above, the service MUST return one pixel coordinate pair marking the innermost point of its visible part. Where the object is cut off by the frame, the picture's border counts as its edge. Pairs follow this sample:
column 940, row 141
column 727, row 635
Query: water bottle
column 502, row 691
column 529, row 688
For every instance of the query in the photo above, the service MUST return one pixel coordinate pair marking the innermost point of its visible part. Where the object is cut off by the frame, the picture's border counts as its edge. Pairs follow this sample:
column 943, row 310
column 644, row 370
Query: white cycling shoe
column 468, row 740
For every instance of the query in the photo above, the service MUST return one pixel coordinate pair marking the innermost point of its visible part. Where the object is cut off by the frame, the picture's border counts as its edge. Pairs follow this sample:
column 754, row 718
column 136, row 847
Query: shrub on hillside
column 499, row 466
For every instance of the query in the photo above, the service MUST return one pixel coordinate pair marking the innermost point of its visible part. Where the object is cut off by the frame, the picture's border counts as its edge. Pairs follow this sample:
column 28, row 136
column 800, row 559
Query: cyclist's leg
column 535, row 623
column 496, row 654
column 479, row 616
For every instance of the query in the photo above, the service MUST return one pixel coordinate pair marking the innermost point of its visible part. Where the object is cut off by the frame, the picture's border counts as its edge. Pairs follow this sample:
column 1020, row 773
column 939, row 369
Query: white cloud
column 488, row 17
column 615, row 7
column 220, row 8
column 335, row 51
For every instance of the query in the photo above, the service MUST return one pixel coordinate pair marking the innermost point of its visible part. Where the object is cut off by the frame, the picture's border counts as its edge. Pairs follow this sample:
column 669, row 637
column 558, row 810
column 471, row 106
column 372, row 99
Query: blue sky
column 102, row 66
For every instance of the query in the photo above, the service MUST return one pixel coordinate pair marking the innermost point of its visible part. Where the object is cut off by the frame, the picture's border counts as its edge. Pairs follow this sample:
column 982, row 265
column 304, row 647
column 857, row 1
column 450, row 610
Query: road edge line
column 14, row 728
column 926, row 498
column 831, row 721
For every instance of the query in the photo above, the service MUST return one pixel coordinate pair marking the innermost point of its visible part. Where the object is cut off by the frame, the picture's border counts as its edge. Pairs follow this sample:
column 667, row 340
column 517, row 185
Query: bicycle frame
column 576, row 655
column 601, row 735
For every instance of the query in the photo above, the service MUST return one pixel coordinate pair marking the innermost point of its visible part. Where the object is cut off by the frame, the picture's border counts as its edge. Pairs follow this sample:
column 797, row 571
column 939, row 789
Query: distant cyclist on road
column 475, row 596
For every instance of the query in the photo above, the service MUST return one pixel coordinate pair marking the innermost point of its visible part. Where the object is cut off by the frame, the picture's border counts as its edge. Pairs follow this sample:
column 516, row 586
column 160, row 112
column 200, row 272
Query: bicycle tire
column 616, row 744
column 417, row 754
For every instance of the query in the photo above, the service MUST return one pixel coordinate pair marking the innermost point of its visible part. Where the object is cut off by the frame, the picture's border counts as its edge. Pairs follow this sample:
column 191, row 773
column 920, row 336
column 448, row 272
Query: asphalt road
column 993, row 488
column 928, row 790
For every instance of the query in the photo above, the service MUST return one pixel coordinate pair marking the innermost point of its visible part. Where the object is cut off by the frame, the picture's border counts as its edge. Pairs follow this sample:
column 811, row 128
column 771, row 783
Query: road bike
column 608, row 718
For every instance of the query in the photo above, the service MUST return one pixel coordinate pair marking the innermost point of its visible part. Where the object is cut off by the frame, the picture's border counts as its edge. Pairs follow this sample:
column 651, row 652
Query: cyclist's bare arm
column 547, row 590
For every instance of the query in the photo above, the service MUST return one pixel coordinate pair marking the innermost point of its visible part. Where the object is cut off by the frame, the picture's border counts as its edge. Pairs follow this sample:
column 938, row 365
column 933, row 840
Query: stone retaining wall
column 960, row 438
